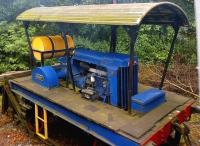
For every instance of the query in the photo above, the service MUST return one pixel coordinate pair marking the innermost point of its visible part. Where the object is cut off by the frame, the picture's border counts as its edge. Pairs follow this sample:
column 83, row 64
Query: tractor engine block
column 98, row 75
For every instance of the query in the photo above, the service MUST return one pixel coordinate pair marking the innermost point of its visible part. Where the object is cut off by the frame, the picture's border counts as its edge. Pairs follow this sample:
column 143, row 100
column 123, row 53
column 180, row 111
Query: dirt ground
column 194, row 125
column 13, row 134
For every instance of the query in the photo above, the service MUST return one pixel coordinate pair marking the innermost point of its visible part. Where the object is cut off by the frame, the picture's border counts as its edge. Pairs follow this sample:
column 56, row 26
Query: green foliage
column 153, row 43
column 152, row 46
column 13, row 47
column 185, row 51
column 102, row 46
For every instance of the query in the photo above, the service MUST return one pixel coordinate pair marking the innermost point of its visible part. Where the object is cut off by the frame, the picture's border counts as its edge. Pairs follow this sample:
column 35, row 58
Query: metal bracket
column 184, row 131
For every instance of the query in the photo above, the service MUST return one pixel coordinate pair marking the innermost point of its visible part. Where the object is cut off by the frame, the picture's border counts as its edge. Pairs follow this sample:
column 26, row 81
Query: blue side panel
column 106, row 135
column 112, row 77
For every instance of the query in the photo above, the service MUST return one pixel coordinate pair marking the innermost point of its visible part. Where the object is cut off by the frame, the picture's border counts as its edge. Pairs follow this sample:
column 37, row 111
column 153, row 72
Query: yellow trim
column 37, row 118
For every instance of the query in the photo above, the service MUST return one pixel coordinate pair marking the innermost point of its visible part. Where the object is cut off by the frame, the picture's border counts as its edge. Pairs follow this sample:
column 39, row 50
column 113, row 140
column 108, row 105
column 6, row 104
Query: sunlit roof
column 110, row 14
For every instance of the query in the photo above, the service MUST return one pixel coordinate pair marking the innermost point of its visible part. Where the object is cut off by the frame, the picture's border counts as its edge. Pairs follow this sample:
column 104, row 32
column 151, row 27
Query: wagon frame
column 131, row 17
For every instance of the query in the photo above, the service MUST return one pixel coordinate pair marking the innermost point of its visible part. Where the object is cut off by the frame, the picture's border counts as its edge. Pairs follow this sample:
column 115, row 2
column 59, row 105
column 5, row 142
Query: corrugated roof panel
column 111, row 14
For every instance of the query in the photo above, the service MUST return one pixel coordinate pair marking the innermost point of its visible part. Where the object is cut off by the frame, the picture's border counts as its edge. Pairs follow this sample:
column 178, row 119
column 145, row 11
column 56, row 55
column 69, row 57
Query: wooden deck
column 132, row 126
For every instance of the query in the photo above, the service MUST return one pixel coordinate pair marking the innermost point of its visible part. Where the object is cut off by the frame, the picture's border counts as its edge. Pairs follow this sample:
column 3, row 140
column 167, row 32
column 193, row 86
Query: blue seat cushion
column 148, row 96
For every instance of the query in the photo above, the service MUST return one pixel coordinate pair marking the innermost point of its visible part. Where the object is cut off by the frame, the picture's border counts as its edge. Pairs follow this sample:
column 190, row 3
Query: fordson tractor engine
column 97, row 75
column 103, row 75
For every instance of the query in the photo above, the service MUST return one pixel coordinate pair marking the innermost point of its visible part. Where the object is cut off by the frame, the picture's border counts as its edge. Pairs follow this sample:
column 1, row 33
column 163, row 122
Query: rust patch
column 91, row 108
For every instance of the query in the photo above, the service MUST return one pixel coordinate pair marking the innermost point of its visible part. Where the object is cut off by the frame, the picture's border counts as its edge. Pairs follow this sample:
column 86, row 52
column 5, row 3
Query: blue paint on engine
column 148, row 100
column 112, row 87
column 45, row 76
column 102, row 59
column 112, row 63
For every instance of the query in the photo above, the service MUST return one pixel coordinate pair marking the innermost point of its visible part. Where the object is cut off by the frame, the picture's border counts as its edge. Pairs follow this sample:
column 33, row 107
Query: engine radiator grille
column 123, row 81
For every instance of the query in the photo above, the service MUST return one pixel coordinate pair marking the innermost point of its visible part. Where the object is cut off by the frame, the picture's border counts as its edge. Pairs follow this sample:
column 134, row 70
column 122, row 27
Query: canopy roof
column 111, row 14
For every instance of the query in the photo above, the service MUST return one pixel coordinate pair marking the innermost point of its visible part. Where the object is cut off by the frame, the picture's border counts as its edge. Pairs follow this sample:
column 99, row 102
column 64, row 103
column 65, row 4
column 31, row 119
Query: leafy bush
column 13, row 47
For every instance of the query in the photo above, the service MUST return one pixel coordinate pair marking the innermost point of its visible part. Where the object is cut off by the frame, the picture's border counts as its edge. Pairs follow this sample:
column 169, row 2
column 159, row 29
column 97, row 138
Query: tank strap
column 66, row 47
column 53, row 47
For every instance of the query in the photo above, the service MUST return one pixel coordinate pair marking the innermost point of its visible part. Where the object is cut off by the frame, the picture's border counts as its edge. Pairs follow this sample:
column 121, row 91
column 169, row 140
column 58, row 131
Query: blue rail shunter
column 105, row 83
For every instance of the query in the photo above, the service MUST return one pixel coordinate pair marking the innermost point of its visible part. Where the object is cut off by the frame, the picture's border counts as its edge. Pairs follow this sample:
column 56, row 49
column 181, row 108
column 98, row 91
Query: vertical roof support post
column 31, row 58
column 176, row 30
column 69, row 67
column 197, row 14
column 133, row 33
column 113, row 39
column 113, row 35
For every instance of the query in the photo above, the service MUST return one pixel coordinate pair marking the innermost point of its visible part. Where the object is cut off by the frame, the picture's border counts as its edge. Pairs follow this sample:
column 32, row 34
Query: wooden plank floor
column 118, row 120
